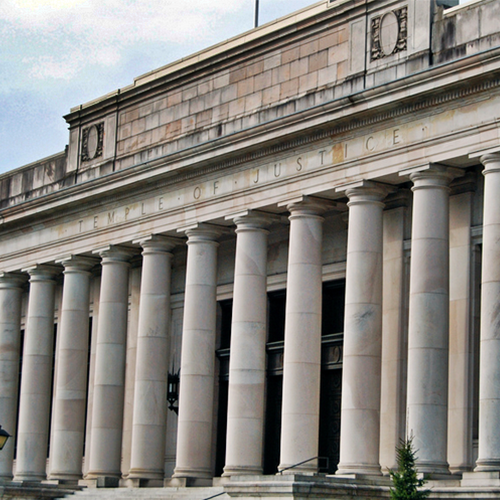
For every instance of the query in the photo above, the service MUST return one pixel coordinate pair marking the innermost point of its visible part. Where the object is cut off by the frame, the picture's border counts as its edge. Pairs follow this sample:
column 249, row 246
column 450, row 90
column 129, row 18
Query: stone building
column 301, row 223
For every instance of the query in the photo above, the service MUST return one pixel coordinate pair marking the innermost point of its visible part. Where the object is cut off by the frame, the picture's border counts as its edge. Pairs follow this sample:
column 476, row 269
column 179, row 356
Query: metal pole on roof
column 256, row 13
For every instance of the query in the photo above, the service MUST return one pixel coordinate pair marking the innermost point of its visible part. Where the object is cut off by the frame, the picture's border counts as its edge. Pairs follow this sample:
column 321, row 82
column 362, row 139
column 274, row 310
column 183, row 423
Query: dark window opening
column 333, row 307
column 87, row 387
column 277, row 306
column 21, row 349
column 226, row 316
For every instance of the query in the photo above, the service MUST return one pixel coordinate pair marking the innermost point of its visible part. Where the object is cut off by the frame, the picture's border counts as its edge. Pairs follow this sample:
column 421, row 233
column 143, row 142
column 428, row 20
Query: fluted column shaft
column 71, row 381
column 151, row 375
column 10, row 342
column 109, row 381
column 194, row 431
column 36, row 378
column 247, row 364
column 489, row 370
column 302, row 354
column 429, row 319
column 360, row 416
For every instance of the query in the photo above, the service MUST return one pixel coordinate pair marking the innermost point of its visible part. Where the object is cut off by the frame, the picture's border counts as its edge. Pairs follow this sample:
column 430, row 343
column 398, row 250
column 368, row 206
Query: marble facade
column 302, row 223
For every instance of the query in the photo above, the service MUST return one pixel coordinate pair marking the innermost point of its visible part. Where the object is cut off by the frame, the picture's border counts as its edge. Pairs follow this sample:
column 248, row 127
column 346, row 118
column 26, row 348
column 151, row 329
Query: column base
column 358, row 470
column 306, row 469
column 433, row 469
column 62, row 477
column 63, row 483
column 146, row 474
column 460, row 469
column 100, row 482
column 487, row 465
column 241, row 471
column 26, row 477
column 141, row 482
column 187, row 482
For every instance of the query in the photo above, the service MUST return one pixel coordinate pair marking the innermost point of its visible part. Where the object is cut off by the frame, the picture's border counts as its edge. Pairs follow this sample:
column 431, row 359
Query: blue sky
column 56, row 54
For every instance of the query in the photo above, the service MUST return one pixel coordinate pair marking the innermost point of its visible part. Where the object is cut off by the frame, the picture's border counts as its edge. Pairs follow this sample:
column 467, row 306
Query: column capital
column 77, row 263
column 42, row 272
column 307, row 205
column 202, row 232
column 365, row 191
column 157, row 243
column 253, row 220
column 115, row 253
column 431, row 175
column 12, row 280
column 491, row 162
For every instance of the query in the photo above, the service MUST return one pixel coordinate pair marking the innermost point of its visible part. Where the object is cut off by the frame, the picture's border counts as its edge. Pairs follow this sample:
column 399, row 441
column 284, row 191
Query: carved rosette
column 92, row 141
column 389, row 33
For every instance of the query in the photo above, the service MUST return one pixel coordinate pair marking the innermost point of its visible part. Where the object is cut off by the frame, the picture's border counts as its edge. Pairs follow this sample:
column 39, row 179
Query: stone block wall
column 465, row 30
column 236, row 97
column 34, row 180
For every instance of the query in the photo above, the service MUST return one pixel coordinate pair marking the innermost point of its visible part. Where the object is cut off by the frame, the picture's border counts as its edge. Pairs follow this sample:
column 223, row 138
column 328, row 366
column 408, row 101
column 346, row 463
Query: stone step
column 192, row 493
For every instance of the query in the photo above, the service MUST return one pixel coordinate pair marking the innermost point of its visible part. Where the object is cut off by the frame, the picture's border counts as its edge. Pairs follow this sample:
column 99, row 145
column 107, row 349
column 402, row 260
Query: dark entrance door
column 331, row 372
column 225, row 317
column 329, row 426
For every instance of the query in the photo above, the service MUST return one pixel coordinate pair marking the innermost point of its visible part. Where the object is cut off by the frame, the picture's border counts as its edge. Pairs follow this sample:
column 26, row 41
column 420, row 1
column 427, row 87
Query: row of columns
column 359, row 453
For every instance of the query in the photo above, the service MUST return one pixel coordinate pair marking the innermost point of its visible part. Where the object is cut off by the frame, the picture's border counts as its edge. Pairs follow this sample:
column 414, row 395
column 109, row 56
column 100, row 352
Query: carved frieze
column 389, row 33
column 92, row 140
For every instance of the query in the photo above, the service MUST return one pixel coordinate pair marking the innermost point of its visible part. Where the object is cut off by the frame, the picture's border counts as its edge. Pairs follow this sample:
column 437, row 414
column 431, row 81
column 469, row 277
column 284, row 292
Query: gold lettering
column 369, row 144
column 197, row 193
column 160, row 203
column 299, row 165
column 256, row 177
column 95, row 221
column 216, row 186
column 277, row 169
column 111, row 217
column 127, row 211
column 143, row 212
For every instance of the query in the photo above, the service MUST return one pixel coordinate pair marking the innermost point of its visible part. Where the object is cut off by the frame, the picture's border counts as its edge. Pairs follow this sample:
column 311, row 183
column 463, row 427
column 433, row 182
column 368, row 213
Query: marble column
column 461, row 366
column 247, row 364
column 360, row 414
column 196, row 398
column 36, row 376
column 71, row 380
column 489, row 370
column 394, row 328
column 302, row 354
column 11, row 286
column 152, row 361
column 107, row 408
column 428, row 330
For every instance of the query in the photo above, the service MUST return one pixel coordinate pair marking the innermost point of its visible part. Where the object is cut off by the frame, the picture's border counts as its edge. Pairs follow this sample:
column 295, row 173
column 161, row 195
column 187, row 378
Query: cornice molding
column 351, row 125
column 356, row 122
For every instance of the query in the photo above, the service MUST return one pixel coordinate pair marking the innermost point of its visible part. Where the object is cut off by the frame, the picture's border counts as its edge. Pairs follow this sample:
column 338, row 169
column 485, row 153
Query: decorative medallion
column 92, row 139
column 389, row 33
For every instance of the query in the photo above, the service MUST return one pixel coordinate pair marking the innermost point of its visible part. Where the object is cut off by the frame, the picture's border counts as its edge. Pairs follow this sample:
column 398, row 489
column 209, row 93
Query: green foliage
column 405, row 480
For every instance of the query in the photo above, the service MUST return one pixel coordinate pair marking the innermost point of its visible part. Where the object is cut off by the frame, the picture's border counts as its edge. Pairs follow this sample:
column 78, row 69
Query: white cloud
column 63, row 38
column 56, row 54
